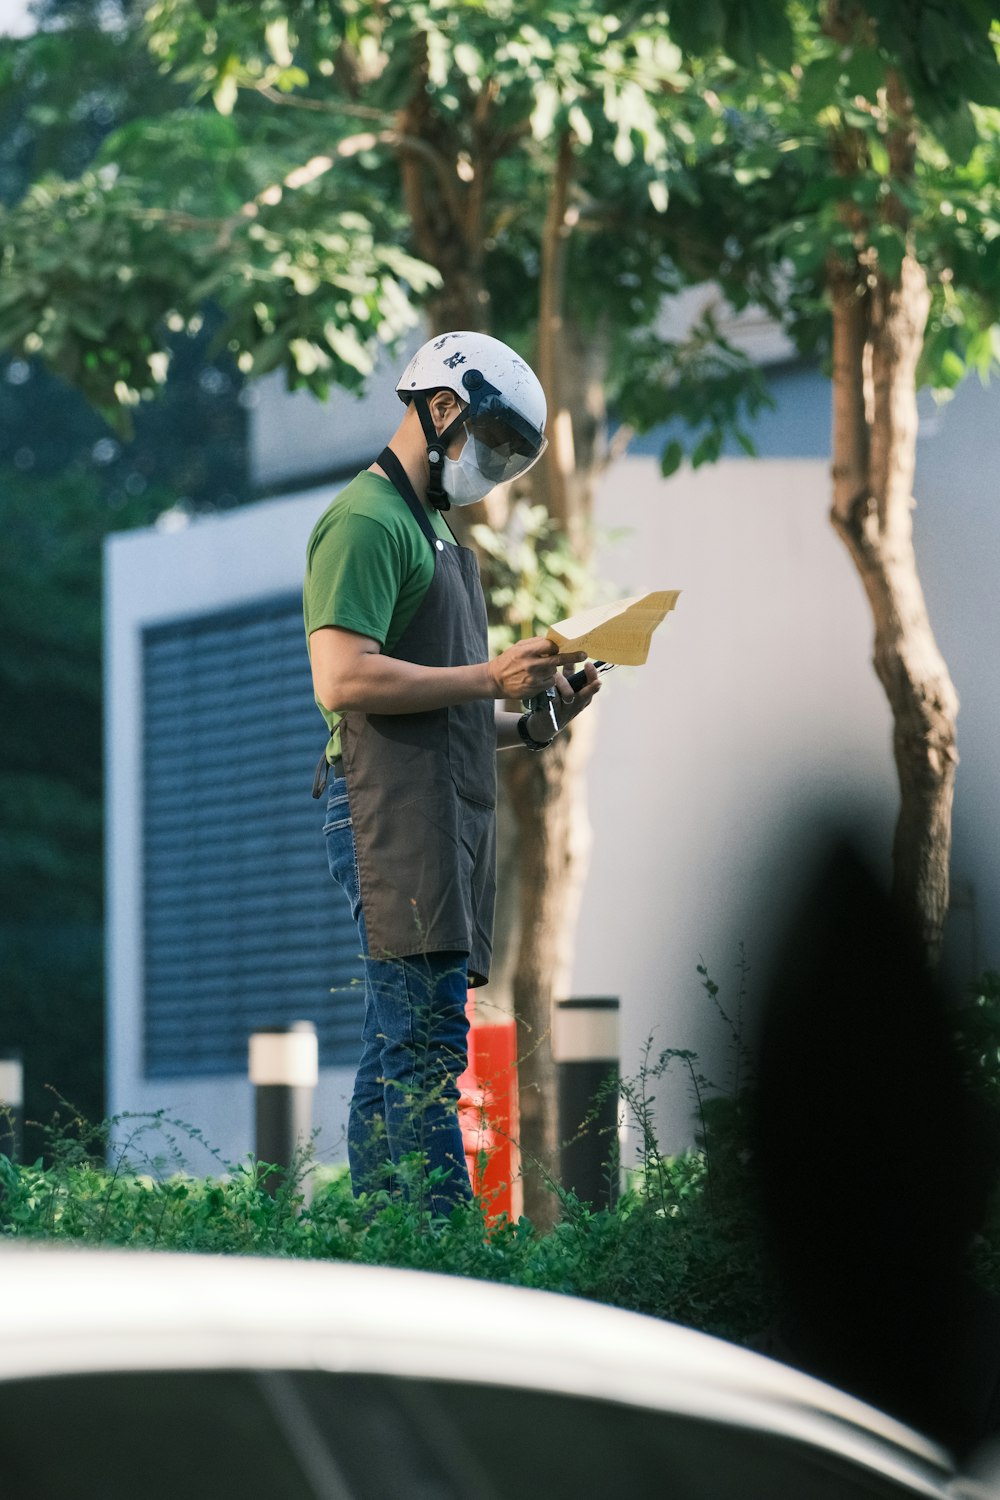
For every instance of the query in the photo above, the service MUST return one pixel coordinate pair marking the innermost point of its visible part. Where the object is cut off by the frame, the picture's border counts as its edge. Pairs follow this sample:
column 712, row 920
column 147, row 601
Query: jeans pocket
column 338, row 810
column 341, row 853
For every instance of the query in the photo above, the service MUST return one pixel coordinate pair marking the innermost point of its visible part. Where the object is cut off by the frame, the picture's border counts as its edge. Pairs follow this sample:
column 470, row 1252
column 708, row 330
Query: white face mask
column 462, row 479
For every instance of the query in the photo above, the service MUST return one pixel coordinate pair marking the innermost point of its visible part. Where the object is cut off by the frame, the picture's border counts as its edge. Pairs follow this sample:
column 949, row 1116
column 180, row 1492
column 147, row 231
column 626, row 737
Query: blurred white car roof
column 72, row 1313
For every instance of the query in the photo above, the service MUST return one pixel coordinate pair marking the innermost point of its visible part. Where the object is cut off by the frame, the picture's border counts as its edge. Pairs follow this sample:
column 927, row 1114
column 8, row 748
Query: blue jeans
column 414, row 1048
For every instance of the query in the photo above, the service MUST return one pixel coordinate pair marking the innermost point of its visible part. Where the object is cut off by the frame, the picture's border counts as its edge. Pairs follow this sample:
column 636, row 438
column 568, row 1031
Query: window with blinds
column 243, row 927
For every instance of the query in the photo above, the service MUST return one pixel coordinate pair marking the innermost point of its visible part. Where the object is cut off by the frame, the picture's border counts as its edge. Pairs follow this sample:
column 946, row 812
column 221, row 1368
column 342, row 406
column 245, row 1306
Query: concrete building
column 757, row 714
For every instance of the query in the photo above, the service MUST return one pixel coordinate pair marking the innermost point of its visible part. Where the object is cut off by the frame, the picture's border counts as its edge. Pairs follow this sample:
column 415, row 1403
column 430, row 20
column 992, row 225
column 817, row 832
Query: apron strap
column 388, row 461
column 391, row 465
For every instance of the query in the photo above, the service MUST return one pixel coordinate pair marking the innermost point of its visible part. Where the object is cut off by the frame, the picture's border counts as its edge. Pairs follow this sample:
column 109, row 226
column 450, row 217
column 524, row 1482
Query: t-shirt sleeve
column 354, row 576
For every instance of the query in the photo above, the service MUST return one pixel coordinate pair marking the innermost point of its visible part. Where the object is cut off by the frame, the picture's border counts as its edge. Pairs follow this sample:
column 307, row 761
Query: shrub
column 679, row 1244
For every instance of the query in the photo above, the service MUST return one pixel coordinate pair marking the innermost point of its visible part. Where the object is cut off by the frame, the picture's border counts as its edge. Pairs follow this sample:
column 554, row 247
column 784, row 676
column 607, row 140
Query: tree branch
column 559, row 459
column 415, row 122
column 484, row 157
column 268, row 197
column 902, row 145
column 416, row 145
column 320, row 106
column 851, row 488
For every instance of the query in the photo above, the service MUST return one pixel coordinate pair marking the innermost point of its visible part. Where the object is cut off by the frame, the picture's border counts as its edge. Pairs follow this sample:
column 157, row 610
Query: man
column 396, row 624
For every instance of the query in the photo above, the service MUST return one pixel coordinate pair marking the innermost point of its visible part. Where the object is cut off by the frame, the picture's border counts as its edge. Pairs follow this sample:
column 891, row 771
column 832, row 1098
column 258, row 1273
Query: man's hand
column 531, row 667
column 568, row 704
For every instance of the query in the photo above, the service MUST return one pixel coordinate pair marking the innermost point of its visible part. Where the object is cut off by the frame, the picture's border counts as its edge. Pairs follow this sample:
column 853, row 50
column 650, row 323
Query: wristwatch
column 523, row 731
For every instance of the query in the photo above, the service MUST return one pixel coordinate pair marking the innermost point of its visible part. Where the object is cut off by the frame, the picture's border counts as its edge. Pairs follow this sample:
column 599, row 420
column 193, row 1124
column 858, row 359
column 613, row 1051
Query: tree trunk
column 878, row 329
column 545, row 795
column 545, row 830
column 546, row 792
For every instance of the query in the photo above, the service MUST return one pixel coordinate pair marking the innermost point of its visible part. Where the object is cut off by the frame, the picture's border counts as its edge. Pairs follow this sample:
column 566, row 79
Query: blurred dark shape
column 875, row 1166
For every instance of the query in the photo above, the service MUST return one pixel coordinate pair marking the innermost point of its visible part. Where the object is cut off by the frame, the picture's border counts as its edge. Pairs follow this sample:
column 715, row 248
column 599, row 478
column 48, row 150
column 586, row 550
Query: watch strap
column 526, row 737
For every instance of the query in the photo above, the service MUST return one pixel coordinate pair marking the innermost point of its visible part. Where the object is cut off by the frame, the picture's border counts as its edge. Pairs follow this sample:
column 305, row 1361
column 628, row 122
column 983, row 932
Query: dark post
column 284, row 1071
column 585, row 1044
column 11, row 1104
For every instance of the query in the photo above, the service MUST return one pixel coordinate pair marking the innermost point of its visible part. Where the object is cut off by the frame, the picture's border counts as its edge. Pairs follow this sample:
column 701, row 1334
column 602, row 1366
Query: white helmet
column 504, row 416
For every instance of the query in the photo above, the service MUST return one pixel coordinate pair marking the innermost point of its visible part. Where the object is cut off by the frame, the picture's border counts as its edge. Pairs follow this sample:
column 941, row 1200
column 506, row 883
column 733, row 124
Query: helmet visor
column 505, row 443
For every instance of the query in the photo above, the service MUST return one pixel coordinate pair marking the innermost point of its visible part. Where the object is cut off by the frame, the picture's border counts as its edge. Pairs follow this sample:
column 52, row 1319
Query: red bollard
column 489, row 1116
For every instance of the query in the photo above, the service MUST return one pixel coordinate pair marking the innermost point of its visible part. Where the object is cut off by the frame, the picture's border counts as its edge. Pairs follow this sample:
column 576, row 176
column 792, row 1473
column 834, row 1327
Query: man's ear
column 444, row 408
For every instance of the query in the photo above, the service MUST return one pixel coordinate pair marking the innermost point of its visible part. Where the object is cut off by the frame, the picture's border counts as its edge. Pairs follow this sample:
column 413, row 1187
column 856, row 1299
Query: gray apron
column 422, row 787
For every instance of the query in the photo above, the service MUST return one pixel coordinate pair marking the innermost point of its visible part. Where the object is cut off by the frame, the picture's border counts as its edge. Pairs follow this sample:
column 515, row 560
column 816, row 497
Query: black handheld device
column 577, row 680
column 548, row 700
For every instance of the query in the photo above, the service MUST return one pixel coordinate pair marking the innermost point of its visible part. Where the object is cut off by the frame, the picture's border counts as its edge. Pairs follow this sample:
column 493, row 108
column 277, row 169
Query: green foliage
column 531, row 576
column 52, row 992
column 743, row 33
column 676, row 1258
column 300, row 156
column 50, row 677
column 258, row 188
column 680, row 1244
column 703, row 382
column 977, row 1031
column 977, row 1034
column 51, row 957
column 834, row 178
column 302, row 281
column 316, row 168
column 64, row 88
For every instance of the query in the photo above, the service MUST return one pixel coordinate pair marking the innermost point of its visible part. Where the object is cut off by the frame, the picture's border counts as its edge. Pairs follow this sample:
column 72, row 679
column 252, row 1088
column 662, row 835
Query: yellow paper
column 619, row 632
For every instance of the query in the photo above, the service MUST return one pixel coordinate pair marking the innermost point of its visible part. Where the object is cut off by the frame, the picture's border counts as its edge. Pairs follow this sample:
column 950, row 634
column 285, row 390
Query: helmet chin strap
column 437, row 447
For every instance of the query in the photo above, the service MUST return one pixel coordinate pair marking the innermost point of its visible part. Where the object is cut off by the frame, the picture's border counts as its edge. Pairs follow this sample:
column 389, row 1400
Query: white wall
column 757, row 707
column 957, row 535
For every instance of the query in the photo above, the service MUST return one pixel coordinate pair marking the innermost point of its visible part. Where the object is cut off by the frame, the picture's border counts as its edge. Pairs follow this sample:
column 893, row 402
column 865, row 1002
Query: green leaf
column 276, row 39
column 671, row 458
column 773, row 38
column 878, row 153
column 806, row 253
column 821, row 83
column 940, row 41
column 759, row 30
column 979, row 351
column 544, row 113
column 580, row 125
column 346, row 345
column 290, row 79
column 890, row 245
column 659, row 195
column 707, row 449
column 950, row 370
column 225, row 93
column 952, row 122
column 865, row 73
column 981, row 81
column 468, row 60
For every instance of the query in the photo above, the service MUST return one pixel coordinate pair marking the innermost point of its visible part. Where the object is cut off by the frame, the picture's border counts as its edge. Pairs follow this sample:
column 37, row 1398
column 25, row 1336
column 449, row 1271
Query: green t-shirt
column 368, row 567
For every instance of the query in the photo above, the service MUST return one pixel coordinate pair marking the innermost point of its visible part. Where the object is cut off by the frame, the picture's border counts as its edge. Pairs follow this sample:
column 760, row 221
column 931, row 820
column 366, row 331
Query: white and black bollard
column 585, row 1046
column 284, row 1071
column 11, row 1104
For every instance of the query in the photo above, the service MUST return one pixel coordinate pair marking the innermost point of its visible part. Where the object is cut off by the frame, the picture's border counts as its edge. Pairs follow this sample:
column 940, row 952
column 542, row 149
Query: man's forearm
column 539, row 727
column 351, row 675
column 377, row 684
